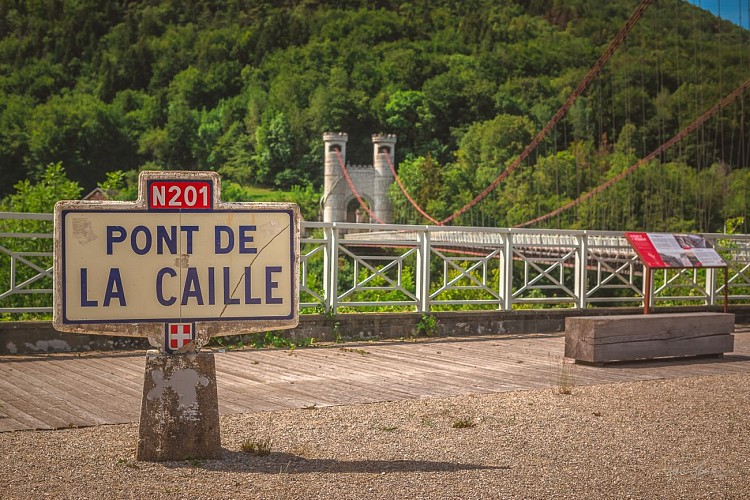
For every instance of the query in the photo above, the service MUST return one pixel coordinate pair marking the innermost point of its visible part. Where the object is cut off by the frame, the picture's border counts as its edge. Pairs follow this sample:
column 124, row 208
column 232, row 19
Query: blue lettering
column 141, row 238
column 189, row 230
column 160, row 286
column 192, row 287
column 84, row 290
column 227, row 289
column 245, row 239
column 211, row 286
column 249, row 299
column 115, row 234
column 170, row 240
column 271, row 285
column 134, row 240
column 218, row 231
column 114, row 288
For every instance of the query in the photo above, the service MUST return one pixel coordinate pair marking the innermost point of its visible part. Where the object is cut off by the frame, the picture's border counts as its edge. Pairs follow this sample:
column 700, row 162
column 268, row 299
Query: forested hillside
column 247, row 88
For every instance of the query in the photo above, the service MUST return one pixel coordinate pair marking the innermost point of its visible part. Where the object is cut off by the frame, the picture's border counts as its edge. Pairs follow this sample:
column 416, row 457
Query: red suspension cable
column 621, row 35
column 403, row 190
column 671, row 142
column 354, row 190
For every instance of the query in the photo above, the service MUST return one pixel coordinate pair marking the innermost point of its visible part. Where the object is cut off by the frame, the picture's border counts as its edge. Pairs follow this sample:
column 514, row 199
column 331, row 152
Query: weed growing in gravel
column 428, row 422
column 127, row 463
column 261, row 447
column 463, row 423
column 565, row 377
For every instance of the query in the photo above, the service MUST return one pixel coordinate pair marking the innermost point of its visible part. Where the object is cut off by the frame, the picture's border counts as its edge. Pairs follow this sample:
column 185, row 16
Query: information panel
column 178, row 265
column 665, row 250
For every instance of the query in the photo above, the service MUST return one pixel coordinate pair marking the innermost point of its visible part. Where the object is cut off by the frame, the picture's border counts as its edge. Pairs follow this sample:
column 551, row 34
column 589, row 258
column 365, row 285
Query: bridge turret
column 333, row 201
column 384, row 152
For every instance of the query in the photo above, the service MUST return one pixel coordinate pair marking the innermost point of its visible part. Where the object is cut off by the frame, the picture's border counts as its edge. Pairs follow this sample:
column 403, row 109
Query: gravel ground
column 685, row 438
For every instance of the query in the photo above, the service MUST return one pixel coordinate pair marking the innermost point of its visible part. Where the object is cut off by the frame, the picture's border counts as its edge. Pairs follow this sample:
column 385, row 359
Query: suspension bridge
column 463, row 258
column 705, row 123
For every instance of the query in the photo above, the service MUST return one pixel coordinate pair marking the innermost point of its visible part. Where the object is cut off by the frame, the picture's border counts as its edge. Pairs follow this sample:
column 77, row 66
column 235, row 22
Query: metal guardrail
column 347, row 267
column 26, row 263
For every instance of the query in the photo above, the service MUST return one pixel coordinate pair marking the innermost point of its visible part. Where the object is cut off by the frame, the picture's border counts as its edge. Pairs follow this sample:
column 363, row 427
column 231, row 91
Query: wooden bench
column 600, row 339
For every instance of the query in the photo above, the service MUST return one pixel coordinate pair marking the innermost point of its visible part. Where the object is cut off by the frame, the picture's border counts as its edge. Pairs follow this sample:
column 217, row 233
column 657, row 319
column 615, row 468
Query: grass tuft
column 260, row 447
column 565, row 377
column 463, row 423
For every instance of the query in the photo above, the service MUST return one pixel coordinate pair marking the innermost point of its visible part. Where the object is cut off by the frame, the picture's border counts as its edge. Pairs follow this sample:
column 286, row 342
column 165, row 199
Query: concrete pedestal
column 180, row 408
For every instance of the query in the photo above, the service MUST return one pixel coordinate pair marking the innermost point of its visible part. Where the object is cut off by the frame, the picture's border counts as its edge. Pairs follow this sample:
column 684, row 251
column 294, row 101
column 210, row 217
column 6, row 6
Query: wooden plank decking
column 57, row 391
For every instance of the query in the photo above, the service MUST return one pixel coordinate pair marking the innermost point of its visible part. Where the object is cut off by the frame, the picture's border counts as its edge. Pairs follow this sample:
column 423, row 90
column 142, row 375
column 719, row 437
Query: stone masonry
column 371, row 181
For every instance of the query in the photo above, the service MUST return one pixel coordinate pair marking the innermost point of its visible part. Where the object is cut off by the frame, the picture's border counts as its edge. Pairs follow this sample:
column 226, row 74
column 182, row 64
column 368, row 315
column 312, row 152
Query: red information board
column 675, row 251
column 665, row 250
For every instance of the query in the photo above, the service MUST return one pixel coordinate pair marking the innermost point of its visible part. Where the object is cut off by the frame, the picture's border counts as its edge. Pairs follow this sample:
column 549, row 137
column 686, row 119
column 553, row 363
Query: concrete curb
column 39, row 337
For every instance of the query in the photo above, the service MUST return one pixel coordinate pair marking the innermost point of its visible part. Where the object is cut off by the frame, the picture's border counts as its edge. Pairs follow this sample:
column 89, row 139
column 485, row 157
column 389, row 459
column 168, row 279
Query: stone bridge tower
column 371, row 181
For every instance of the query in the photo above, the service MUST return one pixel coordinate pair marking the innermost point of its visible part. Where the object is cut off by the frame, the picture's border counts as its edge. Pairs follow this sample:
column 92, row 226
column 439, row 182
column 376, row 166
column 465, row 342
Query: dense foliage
column 247, row 88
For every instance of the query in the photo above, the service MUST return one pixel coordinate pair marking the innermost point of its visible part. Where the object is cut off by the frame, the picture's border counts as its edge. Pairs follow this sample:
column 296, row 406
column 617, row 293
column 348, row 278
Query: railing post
column 711, row 286
column 506, row 269
column 12, row 273
column 423, row 270
column 581, row 271
column 331, row 268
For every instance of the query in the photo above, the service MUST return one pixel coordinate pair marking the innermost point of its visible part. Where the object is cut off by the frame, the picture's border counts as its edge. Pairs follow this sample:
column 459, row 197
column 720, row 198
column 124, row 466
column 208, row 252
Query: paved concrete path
column 72, row 390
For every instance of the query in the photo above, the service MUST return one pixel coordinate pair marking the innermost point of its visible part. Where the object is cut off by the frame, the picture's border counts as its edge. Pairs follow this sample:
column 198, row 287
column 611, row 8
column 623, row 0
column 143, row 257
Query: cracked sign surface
column 229, row 264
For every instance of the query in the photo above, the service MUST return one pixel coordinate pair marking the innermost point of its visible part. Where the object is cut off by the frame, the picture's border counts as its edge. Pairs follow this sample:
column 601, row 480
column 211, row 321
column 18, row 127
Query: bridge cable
column 671, row 142
column 619, row 38
column 621, row 35
column 403, row 190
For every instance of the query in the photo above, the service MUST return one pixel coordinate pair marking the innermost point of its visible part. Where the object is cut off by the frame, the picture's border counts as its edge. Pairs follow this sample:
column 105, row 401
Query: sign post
column 177, row 266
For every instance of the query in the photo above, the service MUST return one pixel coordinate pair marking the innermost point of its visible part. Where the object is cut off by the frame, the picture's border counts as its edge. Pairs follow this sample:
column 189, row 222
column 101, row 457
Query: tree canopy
column 247, row 88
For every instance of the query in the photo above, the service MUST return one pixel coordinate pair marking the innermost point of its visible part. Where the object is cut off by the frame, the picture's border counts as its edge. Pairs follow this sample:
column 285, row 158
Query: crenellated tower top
column 335, row 136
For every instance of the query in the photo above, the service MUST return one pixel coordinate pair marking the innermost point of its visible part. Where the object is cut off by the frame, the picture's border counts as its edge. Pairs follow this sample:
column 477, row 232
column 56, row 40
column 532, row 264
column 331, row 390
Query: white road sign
column 177, row 256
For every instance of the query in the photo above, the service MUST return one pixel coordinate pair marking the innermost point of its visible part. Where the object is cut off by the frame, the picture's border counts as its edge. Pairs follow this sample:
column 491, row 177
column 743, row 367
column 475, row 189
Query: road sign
column 178, row 256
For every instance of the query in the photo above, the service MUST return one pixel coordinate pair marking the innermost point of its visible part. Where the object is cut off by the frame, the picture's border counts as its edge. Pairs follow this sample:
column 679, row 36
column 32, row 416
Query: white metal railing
column 25, row 263
column 360, row 267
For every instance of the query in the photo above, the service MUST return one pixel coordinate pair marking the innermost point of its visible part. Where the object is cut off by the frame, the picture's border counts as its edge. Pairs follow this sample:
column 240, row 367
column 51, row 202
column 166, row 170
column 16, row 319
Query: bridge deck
column 56, row 391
